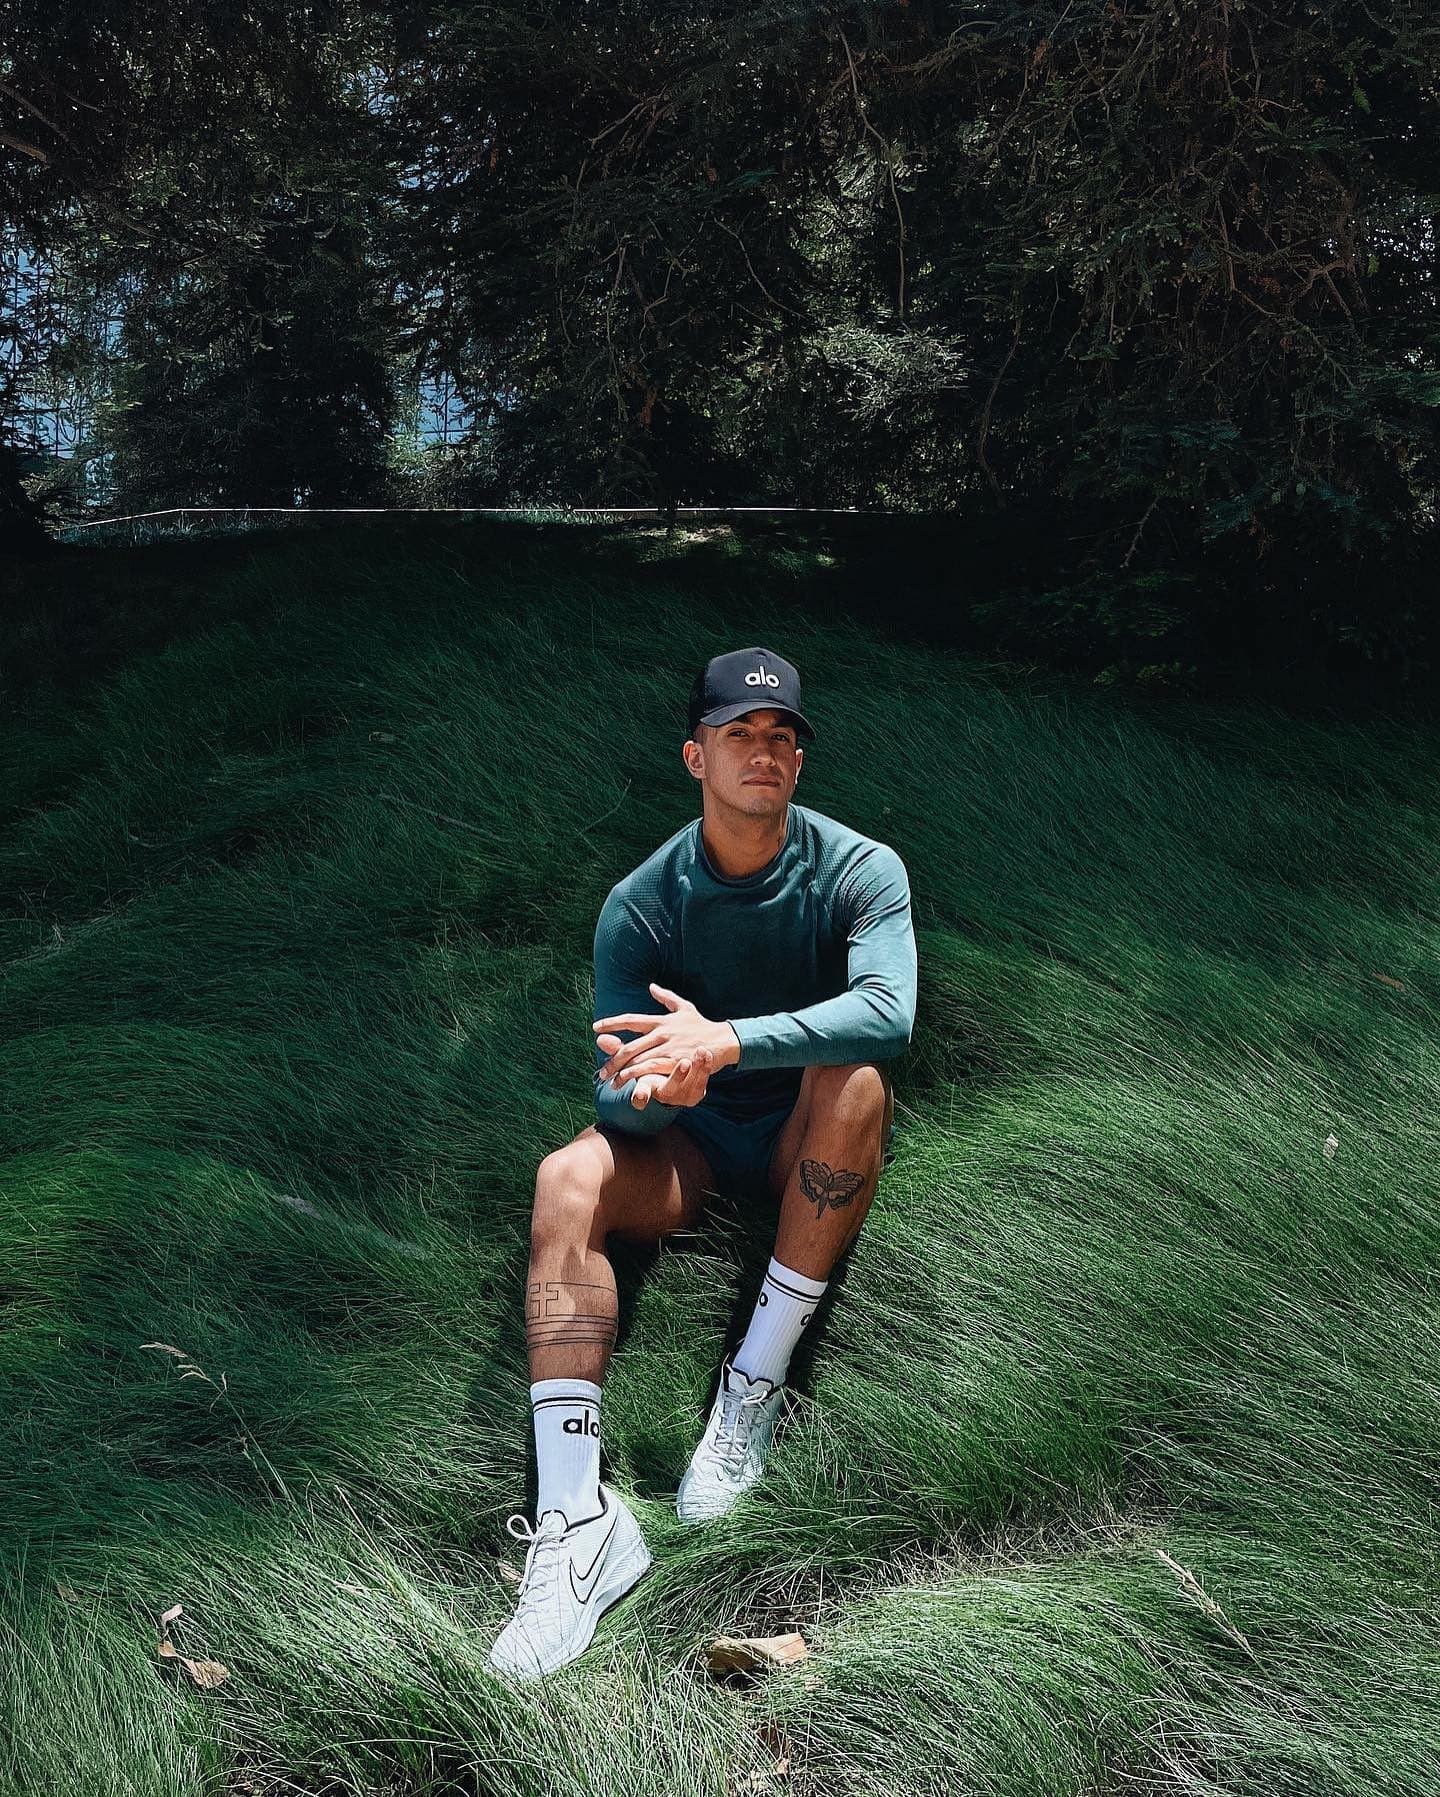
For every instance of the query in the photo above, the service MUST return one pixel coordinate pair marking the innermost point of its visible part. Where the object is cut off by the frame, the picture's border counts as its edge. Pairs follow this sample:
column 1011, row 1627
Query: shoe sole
column 624, row 1579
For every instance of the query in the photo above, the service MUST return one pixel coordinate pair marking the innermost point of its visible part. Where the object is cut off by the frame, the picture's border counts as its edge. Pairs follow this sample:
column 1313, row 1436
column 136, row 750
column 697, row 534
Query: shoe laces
column 737, row 1417
column 542, row 1562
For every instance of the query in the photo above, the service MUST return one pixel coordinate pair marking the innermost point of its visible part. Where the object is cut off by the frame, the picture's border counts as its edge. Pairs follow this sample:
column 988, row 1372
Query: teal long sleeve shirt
column 811, row 959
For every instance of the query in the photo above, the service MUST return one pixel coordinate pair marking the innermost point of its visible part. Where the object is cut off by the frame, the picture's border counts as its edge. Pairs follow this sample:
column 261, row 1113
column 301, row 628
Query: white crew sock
column 567, row 1447
column 786, row 1304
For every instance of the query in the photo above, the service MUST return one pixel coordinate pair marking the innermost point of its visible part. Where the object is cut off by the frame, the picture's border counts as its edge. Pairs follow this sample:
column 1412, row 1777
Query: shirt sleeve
column 627, row 958
column 871, row 1021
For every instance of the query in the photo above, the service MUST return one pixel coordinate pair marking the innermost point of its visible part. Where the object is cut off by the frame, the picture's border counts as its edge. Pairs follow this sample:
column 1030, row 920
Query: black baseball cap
column 747, row 680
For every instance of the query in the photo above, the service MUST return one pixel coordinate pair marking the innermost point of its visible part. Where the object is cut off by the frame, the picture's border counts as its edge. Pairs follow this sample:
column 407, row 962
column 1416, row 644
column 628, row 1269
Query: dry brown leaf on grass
column 207, row 1674
column 755, row 1653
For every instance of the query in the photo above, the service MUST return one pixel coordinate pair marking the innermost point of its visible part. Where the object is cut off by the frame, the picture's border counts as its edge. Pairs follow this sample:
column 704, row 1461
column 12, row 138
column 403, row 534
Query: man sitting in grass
column 759, row 904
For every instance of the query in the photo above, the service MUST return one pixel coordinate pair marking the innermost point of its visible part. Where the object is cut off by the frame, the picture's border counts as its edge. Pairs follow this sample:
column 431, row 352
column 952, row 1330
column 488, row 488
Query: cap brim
column 724, row 714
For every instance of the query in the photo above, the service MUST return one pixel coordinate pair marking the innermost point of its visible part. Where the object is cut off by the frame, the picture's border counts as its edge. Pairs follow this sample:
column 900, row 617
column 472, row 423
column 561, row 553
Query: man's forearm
column 819, row 1034
column 867, row 1023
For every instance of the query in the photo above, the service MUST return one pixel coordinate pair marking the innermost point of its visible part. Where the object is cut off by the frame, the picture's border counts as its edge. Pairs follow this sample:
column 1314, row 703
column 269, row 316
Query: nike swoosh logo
column 585, row 1589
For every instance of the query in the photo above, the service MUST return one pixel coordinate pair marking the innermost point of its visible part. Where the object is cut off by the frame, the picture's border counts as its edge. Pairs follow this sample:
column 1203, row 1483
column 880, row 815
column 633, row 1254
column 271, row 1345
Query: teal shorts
column 739, row 1152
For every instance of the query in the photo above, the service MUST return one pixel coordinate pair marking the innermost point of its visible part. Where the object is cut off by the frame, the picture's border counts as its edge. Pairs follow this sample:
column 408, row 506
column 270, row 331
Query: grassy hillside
column 1115, row 1464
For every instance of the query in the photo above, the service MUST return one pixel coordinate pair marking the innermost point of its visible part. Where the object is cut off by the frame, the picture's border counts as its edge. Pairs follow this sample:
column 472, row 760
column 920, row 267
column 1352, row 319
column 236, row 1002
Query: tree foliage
column 1164, row 269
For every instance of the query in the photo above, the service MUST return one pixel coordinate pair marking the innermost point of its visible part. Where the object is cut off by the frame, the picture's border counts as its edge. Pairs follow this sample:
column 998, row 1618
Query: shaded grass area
column 296, row 910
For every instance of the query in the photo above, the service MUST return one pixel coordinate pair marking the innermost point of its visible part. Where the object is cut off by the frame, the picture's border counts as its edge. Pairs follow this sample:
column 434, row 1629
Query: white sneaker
column 731, row 1454
column 572, row 1576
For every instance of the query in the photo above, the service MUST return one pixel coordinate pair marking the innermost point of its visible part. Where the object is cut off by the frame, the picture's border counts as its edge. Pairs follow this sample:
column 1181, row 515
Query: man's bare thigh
column 649, row 1185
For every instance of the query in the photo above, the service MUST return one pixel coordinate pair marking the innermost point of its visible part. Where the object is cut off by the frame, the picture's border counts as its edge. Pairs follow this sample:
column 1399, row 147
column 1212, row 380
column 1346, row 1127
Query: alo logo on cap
column 761, row 678
column 581, row 1425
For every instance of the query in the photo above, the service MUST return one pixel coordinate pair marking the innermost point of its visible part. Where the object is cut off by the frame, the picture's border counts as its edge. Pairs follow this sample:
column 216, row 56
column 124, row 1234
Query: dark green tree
column 208, row 166
column 1141, row 291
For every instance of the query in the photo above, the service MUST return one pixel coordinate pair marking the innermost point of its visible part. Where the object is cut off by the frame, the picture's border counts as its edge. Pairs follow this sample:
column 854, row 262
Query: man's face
column 751, row 763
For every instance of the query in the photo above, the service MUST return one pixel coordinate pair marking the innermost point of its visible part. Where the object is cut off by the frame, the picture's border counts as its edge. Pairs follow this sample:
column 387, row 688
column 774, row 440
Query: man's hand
column 679, row 1035
column 685, row 1086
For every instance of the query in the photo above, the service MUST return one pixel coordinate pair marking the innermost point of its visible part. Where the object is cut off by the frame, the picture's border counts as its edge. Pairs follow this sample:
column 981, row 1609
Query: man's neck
column 741, row 847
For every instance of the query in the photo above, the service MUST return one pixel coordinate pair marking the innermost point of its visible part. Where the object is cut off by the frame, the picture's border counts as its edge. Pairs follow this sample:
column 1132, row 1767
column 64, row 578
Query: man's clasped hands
column 674, row 1059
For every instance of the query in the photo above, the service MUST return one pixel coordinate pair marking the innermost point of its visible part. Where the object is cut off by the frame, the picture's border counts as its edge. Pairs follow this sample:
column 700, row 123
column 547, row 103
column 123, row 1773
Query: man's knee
column 856, row 1094
column 568, row 1195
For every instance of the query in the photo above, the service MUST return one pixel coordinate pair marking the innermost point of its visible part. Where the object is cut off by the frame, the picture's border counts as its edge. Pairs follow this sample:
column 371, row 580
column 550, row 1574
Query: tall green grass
column 1113, row 1468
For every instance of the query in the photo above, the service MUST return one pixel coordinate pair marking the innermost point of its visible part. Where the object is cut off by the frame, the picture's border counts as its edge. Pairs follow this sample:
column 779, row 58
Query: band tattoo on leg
column 548, row 1324
column 825, row 1185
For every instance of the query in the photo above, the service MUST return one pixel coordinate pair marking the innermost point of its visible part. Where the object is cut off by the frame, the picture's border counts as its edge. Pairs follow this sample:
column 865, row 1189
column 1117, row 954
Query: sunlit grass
column 1112, row 1467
